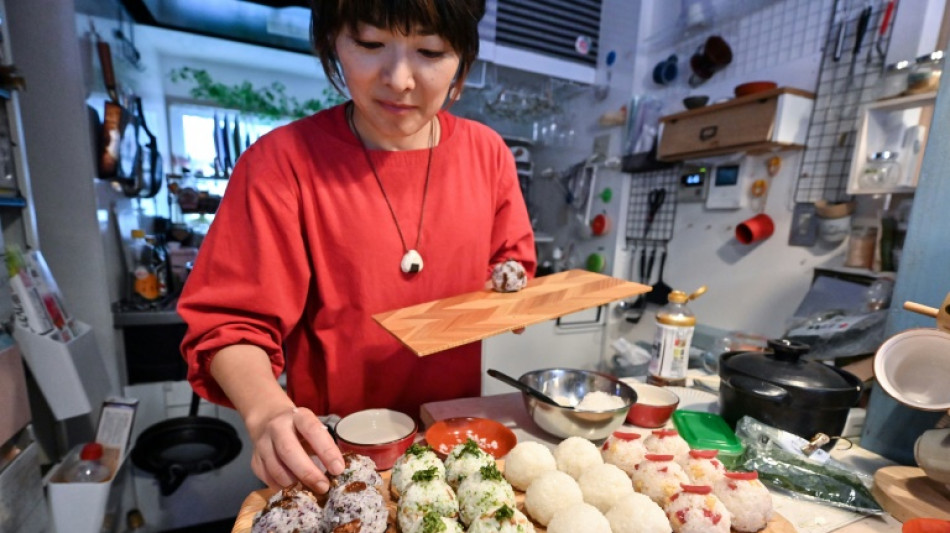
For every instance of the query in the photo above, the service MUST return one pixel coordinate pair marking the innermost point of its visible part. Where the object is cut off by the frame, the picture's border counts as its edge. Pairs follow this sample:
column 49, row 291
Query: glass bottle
column 144, row 281
column 675, row 324
column 89, row 469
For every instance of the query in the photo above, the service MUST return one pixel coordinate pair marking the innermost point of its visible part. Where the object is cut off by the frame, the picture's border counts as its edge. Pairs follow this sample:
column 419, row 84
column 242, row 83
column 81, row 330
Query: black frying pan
column 174, row 448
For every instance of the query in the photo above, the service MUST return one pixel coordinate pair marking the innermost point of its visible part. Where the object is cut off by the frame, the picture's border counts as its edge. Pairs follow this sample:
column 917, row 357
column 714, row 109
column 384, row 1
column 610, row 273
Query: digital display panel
column 696, row 177
column 727, row 175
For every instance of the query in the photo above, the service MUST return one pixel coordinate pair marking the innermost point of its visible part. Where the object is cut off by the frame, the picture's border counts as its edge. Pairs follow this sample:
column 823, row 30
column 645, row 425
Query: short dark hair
column 456, row 21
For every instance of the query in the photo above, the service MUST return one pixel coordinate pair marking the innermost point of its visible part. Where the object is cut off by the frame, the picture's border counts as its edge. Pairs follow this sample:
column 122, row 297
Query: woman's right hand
column 284, row 441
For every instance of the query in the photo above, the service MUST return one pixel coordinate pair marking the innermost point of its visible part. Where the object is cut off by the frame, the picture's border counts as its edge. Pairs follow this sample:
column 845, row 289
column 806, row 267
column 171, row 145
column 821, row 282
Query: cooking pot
column 780, row 388
column 174, row 448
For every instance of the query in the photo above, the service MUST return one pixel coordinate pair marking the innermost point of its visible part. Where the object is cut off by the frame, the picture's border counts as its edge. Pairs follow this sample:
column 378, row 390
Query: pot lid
column 784, row 365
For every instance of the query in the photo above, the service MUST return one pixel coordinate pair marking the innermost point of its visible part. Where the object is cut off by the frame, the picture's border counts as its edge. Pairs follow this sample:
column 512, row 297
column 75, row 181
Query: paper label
column 671, row 351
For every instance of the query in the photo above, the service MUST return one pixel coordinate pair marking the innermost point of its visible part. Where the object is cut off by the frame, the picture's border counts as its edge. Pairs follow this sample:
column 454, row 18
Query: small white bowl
column 914, row 368
column 380, row 434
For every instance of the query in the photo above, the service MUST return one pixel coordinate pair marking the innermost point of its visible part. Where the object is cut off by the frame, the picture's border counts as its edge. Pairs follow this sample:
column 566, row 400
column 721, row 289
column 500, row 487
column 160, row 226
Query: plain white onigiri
column 603, row 485
column 659, row 479
column 577, row 518
column 526, row 461
column 550, row 492
column 748, row 501
column 691, row 512
column 668, row 442
column 624, row 449
column 576, row 455
column 636, row 513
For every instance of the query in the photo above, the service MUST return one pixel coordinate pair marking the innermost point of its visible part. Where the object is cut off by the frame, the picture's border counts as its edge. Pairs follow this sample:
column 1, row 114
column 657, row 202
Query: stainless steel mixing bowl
column 573, row 385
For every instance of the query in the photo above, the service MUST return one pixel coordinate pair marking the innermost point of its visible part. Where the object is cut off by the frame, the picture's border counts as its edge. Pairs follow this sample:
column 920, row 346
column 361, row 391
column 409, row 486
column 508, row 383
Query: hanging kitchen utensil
column 661, row 291
column 655, row 199
column 120, row 153
column 143, row 182
column 173, row 449
column 226, row 143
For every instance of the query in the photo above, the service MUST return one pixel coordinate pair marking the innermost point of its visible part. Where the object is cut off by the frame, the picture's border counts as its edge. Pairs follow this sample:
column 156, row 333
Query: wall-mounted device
column 692, row 184
column 728, row 184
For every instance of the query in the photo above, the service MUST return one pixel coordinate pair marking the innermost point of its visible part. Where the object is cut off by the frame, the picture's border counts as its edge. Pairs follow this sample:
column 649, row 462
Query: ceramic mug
column 666, row 71
column 711, row 57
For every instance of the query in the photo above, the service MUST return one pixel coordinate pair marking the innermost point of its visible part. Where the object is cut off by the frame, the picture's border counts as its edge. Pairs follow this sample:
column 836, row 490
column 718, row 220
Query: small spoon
column 505, row 378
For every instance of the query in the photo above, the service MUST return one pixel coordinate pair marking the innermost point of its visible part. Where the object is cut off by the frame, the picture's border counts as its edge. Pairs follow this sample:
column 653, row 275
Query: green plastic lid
column 708, row 431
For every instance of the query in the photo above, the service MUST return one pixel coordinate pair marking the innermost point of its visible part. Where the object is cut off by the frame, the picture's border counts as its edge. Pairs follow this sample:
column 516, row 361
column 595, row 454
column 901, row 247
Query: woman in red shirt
column 380, row 203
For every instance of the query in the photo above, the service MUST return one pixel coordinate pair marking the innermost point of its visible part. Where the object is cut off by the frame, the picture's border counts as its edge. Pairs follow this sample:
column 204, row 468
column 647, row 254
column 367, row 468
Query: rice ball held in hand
column 747, row 499
column 508, row 276
column 526, row 461
column 576, row 455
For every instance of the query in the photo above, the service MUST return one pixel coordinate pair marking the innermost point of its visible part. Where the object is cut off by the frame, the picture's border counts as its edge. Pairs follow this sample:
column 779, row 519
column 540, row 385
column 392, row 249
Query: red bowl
column 654, row 405
column 380, row 434
column 753, row 87
column 492, row 437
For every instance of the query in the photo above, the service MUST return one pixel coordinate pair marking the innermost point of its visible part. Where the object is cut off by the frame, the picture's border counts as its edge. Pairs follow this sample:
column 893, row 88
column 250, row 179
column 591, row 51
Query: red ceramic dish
column 753, row 87
column 380, row 434
column 654, row 405
column 492, row 437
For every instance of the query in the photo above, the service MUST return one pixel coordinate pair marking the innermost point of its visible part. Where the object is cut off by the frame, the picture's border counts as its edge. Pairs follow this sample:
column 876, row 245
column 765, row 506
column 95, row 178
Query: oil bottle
column 674, row 333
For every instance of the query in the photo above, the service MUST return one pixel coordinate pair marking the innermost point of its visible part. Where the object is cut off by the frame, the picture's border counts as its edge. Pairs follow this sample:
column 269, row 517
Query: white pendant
column 411, row 262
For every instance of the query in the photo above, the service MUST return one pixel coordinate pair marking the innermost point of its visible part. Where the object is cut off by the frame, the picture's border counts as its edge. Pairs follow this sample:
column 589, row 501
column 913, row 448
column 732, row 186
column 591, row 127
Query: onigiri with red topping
column 659, row 477
column 695, row 509
column 747, row 499
column 667, row 442
column 703, row 468
column 624, row 449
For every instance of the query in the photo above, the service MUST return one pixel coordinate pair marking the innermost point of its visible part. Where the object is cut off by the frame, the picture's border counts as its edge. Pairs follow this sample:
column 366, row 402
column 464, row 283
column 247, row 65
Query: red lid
column 658, row 457
column 91, row 452
column 665, row 432
column 626, row 436
column 696, row 489
column 743, row 475
column 703, row 454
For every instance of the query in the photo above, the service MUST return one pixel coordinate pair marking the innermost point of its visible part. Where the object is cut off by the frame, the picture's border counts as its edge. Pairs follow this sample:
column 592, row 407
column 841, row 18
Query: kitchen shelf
column 758, row 123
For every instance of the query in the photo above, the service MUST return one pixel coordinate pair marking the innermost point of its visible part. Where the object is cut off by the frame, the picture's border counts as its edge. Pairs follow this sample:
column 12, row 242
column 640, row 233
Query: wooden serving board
column 258, row 499
column 906, row 492
column 435, row 326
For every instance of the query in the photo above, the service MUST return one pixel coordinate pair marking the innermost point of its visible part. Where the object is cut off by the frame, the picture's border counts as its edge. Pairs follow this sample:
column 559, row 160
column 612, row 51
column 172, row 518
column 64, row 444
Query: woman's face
column 398, row 83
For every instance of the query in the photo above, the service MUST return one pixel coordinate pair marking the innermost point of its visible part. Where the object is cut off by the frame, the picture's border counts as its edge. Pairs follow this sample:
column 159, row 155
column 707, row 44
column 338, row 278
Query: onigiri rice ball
column 603, row 485
column 424, row 496
column 289, row 510
column 526, row 461
column 703, row 468
column 483, row 492
column 695, row 509
column 357, row 467
column 659, row 477
column 624, row 449
column 504, row 519
column 415, row 458
column 636, row 513
column 579, row 517
column 464, row 460
column 747, row 499
column 356, row 502
column 576, row 455
column 667, row 442
column 434, row 522
column 549, row 493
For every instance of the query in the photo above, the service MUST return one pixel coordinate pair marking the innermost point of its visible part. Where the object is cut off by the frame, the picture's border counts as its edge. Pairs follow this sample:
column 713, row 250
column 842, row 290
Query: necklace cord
column 372, row 167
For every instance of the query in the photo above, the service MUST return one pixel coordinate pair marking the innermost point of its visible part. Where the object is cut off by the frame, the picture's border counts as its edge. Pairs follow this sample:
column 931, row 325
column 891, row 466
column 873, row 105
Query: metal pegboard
column 661, row 228
column 844, row 85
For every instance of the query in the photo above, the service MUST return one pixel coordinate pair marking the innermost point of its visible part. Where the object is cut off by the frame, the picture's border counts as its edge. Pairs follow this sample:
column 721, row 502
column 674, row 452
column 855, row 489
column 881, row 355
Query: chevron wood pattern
column 435, row 326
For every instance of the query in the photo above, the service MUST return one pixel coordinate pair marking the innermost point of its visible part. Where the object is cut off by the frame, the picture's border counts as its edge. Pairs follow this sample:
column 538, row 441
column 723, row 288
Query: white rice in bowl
column 526, row 461
column 624, row 449
column 659, row 477
column 581, row 517
column 703, row 468
column 550, row 492
column 576, row 455
column 636, row 513
column 747, row 499
column 599, row 401
column 695, row 509
column 603, row 485
column 667, row 442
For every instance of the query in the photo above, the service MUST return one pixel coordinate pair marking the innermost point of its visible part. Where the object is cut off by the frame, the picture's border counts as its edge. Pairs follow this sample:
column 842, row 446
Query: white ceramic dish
column 696, row 400
column 914, row 367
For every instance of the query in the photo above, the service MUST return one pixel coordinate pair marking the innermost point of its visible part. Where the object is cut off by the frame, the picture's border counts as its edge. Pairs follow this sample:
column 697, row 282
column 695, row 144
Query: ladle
column 505, row 378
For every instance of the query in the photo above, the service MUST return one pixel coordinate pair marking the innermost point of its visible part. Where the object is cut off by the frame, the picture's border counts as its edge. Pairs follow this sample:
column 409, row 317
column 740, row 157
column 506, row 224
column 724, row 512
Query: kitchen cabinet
column 770, row 120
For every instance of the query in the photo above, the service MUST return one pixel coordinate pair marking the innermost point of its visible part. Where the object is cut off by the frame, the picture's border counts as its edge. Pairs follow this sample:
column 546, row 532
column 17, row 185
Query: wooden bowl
column 754, row 87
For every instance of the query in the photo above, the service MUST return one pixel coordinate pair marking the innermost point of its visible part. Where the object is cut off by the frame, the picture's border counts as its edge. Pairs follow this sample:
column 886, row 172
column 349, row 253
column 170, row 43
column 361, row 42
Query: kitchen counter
column 806, row 516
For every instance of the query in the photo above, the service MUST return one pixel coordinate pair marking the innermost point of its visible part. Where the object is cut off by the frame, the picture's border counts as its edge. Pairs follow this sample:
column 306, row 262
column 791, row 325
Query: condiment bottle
column 674, row 333
column 90, row 469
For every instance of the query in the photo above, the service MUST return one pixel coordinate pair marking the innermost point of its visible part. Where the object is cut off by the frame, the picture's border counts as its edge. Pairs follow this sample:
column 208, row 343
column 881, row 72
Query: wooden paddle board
column 442, row 324
column 258, row 499
column 906, row 492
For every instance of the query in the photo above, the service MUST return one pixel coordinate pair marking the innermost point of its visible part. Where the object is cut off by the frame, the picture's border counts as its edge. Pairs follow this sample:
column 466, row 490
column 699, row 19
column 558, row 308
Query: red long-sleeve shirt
column 303, row 251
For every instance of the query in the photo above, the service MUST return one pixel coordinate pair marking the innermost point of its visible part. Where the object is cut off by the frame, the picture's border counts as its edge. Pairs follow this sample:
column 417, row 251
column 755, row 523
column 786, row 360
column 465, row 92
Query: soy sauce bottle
column 675, row 324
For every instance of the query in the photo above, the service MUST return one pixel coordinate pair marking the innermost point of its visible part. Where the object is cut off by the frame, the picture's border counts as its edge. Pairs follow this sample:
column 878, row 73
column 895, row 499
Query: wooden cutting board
column 442, row 324
column 258, row 499
column 906, row 492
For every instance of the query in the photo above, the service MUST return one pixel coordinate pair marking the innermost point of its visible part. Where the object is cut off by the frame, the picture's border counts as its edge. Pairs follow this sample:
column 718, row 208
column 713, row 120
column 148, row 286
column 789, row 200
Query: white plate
column 696, row 400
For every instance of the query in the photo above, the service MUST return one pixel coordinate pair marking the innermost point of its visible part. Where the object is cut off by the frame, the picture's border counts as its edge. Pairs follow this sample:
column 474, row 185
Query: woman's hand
column 283, row 445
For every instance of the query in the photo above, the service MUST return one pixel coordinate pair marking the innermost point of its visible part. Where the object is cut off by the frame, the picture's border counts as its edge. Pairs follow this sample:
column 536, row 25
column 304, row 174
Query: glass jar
column 881, row 170
column 924, row 75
